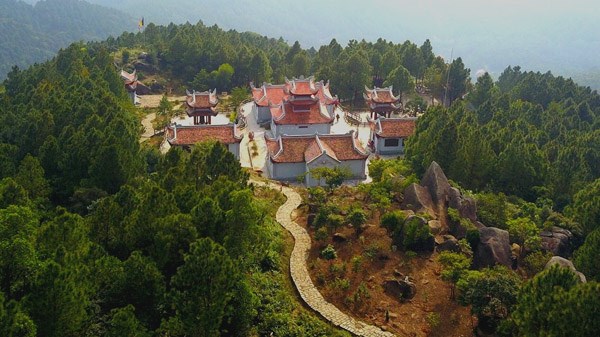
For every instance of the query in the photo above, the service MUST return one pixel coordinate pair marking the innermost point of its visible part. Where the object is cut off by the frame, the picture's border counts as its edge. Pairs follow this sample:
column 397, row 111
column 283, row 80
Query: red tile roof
column 269, row 94
column 202, row 100
column 301, row 86
column 394, row 127
column 299, row 149
column 189, row 135
column 380, row 95
column 275, row 94
column 290, row 114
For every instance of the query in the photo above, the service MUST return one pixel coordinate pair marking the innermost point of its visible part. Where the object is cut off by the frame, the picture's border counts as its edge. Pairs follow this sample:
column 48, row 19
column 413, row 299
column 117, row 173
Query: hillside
column 489, row 36
column 34, row 33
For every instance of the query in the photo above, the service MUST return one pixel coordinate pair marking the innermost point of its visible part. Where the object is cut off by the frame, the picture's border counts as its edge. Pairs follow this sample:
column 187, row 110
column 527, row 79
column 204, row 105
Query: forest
column 34, row 33
column 102, row 236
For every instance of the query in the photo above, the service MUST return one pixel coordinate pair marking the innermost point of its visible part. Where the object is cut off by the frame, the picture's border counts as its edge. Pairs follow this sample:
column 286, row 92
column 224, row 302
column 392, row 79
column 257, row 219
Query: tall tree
column 458, row 80
column 202, row 287
column 401, row 79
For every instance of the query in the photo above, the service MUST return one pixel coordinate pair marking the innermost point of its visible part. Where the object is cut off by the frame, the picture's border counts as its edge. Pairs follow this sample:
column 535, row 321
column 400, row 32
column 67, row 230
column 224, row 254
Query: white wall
column 382, row 149
column 312, row 129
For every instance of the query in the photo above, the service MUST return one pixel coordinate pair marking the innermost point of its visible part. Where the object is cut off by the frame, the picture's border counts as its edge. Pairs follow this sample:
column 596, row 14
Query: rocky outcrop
column 564, row 263
column 435, row 226
column 418, row 199
column 400, row 289
column 466, row 206
column 493, row 248
column 447, row 243
column 558, row 241
column 436, row 183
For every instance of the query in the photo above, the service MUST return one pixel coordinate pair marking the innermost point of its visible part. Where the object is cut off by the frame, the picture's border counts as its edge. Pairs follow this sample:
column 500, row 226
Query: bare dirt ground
column 429, row 313
column 152, row 101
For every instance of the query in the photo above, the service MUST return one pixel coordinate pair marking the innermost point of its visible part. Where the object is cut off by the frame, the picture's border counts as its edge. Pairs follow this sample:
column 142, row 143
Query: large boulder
column 436, row 183
column 493, row 248
column 400, row 289
column 558, row 241
column 418, row 199
column 564, row 263
column 435, row 226
column 466, row 206
column 447, row 243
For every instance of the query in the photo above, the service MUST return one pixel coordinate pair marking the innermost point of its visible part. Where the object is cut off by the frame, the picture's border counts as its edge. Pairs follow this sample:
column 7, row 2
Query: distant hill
column 491, row 35
column 34, row 33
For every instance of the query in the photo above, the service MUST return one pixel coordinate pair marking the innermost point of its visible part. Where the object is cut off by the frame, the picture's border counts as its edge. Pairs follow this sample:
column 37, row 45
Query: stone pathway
column 298, row 269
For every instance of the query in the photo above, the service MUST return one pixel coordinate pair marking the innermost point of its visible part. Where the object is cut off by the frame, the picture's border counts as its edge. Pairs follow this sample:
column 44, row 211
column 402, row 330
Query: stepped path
column 299, row 271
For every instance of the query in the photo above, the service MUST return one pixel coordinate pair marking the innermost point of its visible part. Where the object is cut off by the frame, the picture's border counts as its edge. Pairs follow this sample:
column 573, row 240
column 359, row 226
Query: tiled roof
column 289, row 114
column 301, row 86
column 189, row 135
column 275, row 94
column 269, row 94
column 380, row 95
column 394, row 127
column 202, row 100
column 299, row 149
column 128, row 77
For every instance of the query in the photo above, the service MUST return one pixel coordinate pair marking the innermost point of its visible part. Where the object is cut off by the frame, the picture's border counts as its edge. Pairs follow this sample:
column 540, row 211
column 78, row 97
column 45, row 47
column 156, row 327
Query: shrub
column 433, row 319
column 335, row 221
column 372, row 251
column 329, row 253
column 321, row 234
column 536, row 261
column 356, row 263
column 340, row 284
column 393, row 221
column 414, row 235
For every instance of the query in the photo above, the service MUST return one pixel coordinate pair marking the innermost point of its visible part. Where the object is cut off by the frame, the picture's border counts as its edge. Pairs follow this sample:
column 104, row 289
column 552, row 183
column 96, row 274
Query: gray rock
column 493, row 248
column 435, row 226
column 400, row 289
column 447, row 243
column 564, row 263
column 339, row 238
column 436, row 183
column 558, row 241
column 467, row 207
column 418, row 199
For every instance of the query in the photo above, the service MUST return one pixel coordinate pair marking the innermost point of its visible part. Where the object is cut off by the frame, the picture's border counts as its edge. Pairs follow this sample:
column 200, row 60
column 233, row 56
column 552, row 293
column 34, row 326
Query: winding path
column 298, row 269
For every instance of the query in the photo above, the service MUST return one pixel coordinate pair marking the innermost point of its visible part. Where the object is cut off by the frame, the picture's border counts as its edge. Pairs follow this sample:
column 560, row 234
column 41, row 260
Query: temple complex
column 201, row 106
column 296, row 96
column 381, row 101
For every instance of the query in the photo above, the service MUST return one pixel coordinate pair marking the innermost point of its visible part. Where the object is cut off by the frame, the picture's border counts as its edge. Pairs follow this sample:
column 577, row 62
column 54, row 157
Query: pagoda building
column 201, row 106
column 301, row 91
column 186, row 136
column 290, row 157
column 131, row 82
column 388, row 135
column 381, row 101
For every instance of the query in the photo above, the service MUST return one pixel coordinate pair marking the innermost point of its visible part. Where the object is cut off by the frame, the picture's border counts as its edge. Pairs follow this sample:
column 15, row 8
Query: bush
column 329, row 253
column 335, row 221
column 414, row 235
column 321, row 234
column 356, row 263
column 536, row 261
column 393, row 221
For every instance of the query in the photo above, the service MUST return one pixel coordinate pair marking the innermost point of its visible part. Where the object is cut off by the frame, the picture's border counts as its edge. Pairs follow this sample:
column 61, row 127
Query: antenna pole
column 448, row 76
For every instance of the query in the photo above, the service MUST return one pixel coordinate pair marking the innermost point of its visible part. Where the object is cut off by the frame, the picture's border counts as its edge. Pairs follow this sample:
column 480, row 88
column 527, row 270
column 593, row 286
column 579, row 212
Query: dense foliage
column 529, row 134
column 100, row 237
column 34, row 33
column 205, row 57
